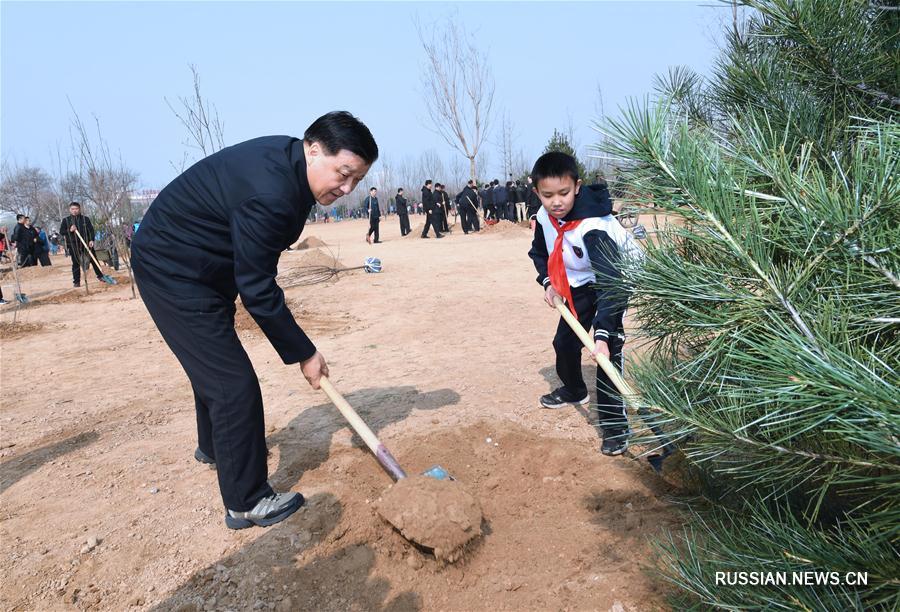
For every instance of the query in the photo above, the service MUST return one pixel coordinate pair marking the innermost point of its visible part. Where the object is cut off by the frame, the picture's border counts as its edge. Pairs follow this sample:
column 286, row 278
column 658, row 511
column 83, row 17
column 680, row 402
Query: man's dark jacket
column 218, row 230
column 427, row 199
column 84, row 226
column 467, row 198
column 371, row 205
column 400, row 203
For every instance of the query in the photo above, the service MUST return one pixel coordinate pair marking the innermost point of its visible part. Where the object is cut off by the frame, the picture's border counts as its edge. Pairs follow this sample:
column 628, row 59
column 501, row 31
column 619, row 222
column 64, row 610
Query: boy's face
column 557, row 194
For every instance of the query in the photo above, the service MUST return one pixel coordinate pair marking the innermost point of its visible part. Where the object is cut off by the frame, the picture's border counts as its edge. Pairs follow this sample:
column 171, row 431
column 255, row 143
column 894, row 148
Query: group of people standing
column 33, row 245
column 513, row 202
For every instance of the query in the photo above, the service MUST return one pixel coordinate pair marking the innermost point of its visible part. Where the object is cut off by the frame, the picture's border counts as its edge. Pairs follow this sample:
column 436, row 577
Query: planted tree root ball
column 437, row 514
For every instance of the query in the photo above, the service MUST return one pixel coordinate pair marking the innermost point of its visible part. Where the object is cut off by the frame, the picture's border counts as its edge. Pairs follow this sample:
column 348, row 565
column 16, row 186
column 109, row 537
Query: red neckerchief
column 557, row 269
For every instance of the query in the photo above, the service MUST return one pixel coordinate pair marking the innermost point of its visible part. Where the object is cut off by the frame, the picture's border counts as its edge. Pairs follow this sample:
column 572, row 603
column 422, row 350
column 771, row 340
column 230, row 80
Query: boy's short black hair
column 554, row 164
column 339, row 130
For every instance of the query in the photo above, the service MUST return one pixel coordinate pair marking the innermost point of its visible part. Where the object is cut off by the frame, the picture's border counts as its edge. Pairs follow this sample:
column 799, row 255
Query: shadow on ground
column 14, row 469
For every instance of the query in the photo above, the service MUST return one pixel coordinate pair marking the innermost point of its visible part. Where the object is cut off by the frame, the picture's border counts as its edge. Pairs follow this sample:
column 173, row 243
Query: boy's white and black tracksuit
column 591, row 254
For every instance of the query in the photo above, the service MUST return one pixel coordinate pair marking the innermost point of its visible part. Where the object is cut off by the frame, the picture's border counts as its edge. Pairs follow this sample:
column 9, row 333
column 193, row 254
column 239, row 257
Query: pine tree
column 771, row 309
column 559, row 142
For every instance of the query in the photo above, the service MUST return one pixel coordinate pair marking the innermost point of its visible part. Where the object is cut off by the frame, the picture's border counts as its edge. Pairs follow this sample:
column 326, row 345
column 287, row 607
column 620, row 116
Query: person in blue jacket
column 214, row 233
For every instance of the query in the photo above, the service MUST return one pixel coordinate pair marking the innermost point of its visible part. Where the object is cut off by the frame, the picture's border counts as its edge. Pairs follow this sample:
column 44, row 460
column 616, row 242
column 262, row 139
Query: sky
column 272, row 68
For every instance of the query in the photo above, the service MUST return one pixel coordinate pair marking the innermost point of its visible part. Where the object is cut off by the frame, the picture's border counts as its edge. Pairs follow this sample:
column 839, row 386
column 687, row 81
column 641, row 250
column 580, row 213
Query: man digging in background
column 214, row 233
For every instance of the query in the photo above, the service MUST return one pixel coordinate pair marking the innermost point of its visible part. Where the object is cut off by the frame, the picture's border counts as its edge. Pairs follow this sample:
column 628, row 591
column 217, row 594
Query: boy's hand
column 314, row 368
column 551, row 293
column 601, row 348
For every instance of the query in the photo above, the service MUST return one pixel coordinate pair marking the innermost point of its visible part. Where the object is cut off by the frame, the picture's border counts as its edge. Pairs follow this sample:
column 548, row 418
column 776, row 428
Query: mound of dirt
column 313, row 257
column 504, row 227
column 416, row 232
column 10, row 330
column 310, row 243
column 437, row 514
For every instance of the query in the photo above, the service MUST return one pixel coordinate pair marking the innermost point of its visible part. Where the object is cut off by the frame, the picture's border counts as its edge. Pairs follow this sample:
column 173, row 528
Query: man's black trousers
column 568, row 347
column 404, row 224
column 80, row 257
column 227, row 398
column 373, row 227
column 432, row 219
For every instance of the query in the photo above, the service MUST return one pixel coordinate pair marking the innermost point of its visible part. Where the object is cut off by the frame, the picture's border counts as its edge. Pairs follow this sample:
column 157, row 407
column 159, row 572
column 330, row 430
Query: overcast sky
column 272, row 68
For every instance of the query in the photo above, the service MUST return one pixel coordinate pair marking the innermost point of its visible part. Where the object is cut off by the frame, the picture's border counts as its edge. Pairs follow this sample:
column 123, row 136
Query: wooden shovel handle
column 589, row 343
column 87, row 248
column 384, row 456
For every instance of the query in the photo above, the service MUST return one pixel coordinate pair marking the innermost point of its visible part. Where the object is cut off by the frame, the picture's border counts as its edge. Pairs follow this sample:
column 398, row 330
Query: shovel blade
column 21, row 298
column 438, row 473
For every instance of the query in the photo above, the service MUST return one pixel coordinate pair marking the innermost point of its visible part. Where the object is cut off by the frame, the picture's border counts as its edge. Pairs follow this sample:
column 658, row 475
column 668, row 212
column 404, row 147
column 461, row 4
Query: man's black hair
column 554, row 164
column 373, row 189
column 75, row 204
column 428, row 182
column 399, row 190
column 19, row 217
column 470, row 182
column 339, row 130
column 508, row 184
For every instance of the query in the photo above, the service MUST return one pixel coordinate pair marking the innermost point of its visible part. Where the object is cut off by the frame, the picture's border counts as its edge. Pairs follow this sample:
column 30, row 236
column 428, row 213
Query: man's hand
column 601, row 348
column 551, row 293
column 71, row 229
column 313, row 369
column 91, row 244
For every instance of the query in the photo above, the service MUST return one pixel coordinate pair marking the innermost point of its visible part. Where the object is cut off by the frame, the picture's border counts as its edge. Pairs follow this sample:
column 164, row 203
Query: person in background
column 402, row 212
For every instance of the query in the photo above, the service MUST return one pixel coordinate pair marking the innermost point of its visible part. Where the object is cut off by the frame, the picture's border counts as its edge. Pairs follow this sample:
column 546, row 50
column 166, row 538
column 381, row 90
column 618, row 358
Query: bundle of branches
column 772, row 312
column 312, row 275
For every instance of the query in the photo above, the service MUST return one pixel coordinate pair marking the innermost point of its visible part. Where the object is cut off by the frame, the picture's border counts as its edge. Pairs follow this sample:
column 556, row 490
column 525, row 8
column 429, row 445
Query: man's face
column 557, row 195
column 27, row 222
column 332, row 176
column 74, row 210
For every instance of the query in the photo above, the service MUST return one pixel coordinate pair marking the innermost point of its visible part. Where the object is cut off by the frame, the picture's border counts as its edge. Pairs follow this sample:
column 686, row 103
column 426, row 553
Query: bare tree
column 431, row 166
column 206, row 132
column 27, row 190
column 459, row 88
column 107, row 184
column 507, row 138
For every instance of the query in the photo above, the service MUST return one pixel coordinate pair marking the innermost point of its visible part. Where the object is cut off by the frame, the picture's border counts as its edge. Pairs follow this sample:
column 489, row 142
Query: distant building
column 141, row 201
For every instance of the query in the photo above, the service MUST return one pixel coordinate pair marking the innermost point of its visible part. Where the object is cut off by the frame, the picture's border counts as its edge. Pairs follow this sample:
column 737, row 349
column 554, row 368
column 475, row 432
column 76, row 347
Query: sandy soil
column 445, row 353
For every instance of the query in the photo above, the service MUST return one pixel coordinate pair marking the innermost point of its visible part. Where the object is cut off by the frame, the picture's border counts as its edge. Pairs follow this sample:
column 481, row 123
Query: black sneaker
column 76, row 284
column 267, row 511
column 202, row 457
column 560, row 397
column 615, row 442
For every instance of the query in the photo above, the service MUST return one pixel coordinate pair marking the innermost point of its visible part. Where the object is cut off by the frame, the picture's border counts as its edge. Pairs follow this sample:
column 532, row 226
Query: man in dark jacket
column 466, row 205
column 431, row 215
column 532, row 202
column 499, row 196
column 442, row 203
column 486, row 201
column 402, row 212
column 23, row 241
column 80, row 257
column 370, row 204
column 216, row 232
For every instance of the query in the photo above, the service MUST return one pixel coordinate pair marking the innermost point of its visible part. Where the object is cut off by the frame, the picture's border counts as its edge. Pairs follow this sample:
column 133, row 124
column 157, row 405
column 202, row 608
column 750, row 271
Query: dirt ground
column 444, row 354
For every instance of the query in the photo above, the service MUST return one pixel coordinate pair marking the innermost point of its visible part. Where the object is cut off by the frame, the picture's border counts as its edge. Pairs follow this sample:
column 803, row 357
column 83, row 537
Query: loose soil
column 102, row 506
column 309, row 243
column 437, row 514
